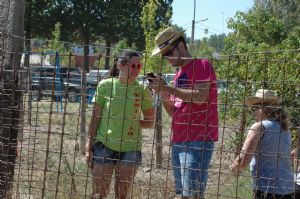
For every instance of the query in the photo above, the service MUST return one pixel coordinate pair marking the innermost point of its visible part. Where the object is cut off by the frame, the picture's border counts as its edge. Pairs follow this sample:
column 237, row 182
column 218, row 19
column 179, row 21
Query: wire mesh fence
column 55, row 114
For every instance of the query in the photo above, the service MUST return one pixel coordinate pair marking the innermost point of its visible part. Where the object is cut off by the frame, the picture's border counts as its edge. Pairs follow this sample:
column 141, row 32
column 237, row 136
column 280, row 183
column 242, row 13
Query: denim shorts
column 104, row 155
column 190, row 161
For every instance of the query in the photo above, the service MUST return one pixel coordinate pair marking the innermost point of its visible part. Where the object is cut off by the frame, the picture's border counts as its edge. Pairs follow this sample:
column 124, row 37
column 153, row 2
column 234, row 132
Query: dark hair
column 124, row 58
column 277, row 114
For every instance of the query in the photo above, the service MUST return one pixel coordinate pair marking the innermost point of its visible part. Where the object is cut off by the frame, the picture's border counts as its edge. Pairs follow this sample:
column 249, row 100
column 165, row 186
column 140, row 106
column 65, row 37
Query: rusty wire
column 50, row 165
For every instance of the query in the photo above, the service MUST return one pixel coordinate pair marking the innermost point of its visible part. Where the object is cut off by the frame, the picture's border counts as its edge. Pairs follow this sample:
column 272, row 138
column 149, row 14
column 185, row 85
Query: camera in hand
column 150, row 75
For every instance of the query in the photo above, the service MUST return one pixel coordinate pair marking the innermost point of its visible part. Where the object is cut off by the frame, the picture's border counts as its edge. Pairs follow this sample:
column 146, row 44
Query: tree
column 203, row 49
column 120, row 46
column 286, row 10
column 133, row 32
column 206, row 47
column 253, row 54
column 217, row 42
column 55, row 45
column 257, row 27
column 11, row 46
column 155, row 18
column 36, row 15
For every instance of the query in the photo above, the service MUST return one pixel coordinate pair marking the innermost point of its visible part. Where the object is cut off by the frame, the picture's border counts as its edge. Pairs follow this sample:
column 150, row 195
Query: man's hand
column 155, row 82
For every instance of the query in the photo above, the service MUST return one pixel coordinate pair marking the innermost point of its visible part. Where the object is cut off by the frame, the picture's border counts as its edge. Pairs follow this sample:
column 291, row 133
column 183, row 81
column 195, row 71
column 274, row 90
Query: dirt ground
column 50, row 159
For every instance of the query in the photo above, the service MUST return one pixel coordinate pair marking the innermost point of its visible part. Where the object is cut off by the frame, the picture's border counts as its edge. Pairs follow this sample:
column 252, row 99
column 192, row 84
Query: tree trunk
column 84, row 91
column 107, row 55
column 11, row 30
column 26, row 64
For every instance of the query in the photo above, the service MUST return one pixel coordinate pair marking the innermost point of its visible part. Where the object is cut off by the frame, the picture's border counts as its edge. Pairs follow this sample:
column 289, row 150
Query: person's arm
column 148, row 120
column 295, row 158
column 95, row 121
column 167, row 103
column 198, row 94
column 249, row 148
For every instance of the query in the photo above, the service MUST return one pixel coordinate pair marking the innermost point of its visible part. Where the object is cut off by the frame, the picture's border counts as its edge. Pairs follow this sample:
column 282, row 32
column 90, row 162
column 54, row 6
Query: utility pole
column 193, row 28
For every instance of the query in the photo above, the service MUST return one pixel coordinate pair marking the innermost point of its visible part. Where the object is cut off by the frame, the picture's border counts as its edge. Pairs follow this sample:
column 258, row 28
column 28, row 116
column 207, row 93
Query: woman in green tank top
column 122, row 107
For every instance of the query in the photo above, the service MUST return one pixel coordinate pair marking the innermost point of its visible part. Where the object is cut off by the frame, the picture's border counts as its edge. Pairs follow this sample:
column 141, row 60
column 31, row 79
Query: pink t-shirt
column 195, row 121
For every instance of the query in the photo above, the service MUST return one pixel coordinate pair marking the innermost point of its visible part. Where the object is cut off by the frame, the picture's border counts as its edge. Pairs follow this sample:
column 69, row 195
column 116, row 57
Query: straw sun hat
column 263, row 96
column 165, row 38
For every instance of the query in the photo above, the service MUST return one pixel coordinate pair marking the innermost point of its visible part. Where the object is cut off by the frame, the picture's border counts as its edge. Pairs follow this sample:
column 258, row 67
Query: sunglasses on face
column 170, row 51
column 136, row 66
column 132, row 66
column 256, row 107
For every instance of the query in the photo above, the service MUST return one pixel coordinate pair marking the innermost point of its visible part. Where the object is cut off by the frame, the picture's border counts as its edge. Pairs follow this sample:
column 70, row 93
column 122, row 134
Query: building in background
column 79, row 57
column 36, row 60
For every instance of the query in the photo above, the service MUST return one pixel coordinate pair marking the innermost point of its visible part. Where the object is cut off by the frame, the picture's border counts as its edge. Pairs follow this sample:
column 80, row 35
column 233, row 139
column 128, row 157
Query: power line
column 208, row 27
column 186, row 24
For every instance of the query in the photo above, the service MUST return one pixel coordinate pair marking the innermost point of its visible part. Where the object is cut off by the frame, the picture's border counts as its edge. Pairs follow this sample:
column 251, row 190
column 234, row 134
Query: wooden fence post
column 158, row 132
column 11, row 45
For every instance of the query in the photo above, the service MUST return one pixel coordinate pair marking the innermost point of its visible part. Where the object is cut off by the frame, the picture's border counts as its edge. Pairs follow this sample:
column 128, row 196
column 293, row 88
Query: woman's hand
column 235, row 168
column 88, row 153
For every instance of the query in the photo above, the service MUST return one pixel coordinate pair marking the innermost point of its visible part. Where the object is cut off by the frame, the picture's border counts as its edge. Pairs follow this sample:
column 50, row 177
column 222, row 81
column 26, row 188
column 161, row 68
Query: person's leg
column 258, row 194
column 206, row 151
column 188, row 164
column 262, row 195
column 176, row 149
column 103, row 167
column 101, row 179
column 194, row 161
column 125, row 173
column 287, row 196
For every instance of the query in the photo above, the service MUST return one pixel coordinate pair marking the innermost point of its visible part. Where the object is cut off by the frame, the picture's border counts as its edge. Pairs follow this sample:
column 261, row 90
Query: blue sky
column 216, row 12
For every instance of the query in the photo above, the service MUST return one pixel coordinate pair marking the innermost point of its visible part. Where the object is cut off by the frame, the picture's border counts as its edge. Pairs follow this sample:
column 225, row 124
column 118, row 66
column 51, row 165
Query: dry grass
column 50, row 165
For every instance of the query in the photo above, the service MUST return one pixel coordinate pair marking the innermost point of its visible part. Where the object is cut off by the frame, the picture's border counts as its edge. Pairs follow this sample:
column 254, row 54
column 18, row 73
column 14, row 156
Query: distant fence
column 49, row 163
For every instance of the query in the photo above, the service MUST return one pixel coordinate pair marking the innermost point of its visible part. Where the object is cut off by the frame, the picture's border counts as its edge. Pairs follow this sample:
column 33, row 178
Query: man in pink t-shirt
column 192, row 103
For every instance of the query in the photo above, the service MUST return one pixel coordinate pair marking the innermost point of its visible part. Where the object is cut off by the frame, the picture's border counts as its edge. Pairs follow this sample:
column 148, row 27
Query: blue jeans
column 104, row 155
column 190, row 166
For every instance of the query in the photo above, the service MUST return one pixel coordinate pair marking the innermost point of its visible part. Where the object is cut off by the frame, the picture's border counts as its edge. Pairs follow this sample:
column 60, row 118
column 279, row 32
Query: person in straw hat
column 267, row 148
column 192, row 103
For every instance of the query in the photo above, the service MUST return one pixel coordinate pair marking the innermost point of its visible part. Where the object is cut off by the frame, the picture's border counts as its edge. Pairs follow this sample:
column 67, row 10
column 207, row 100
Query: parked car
column 71, row 75
column 96, row 76
column 93, row 78
column 46, row 82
